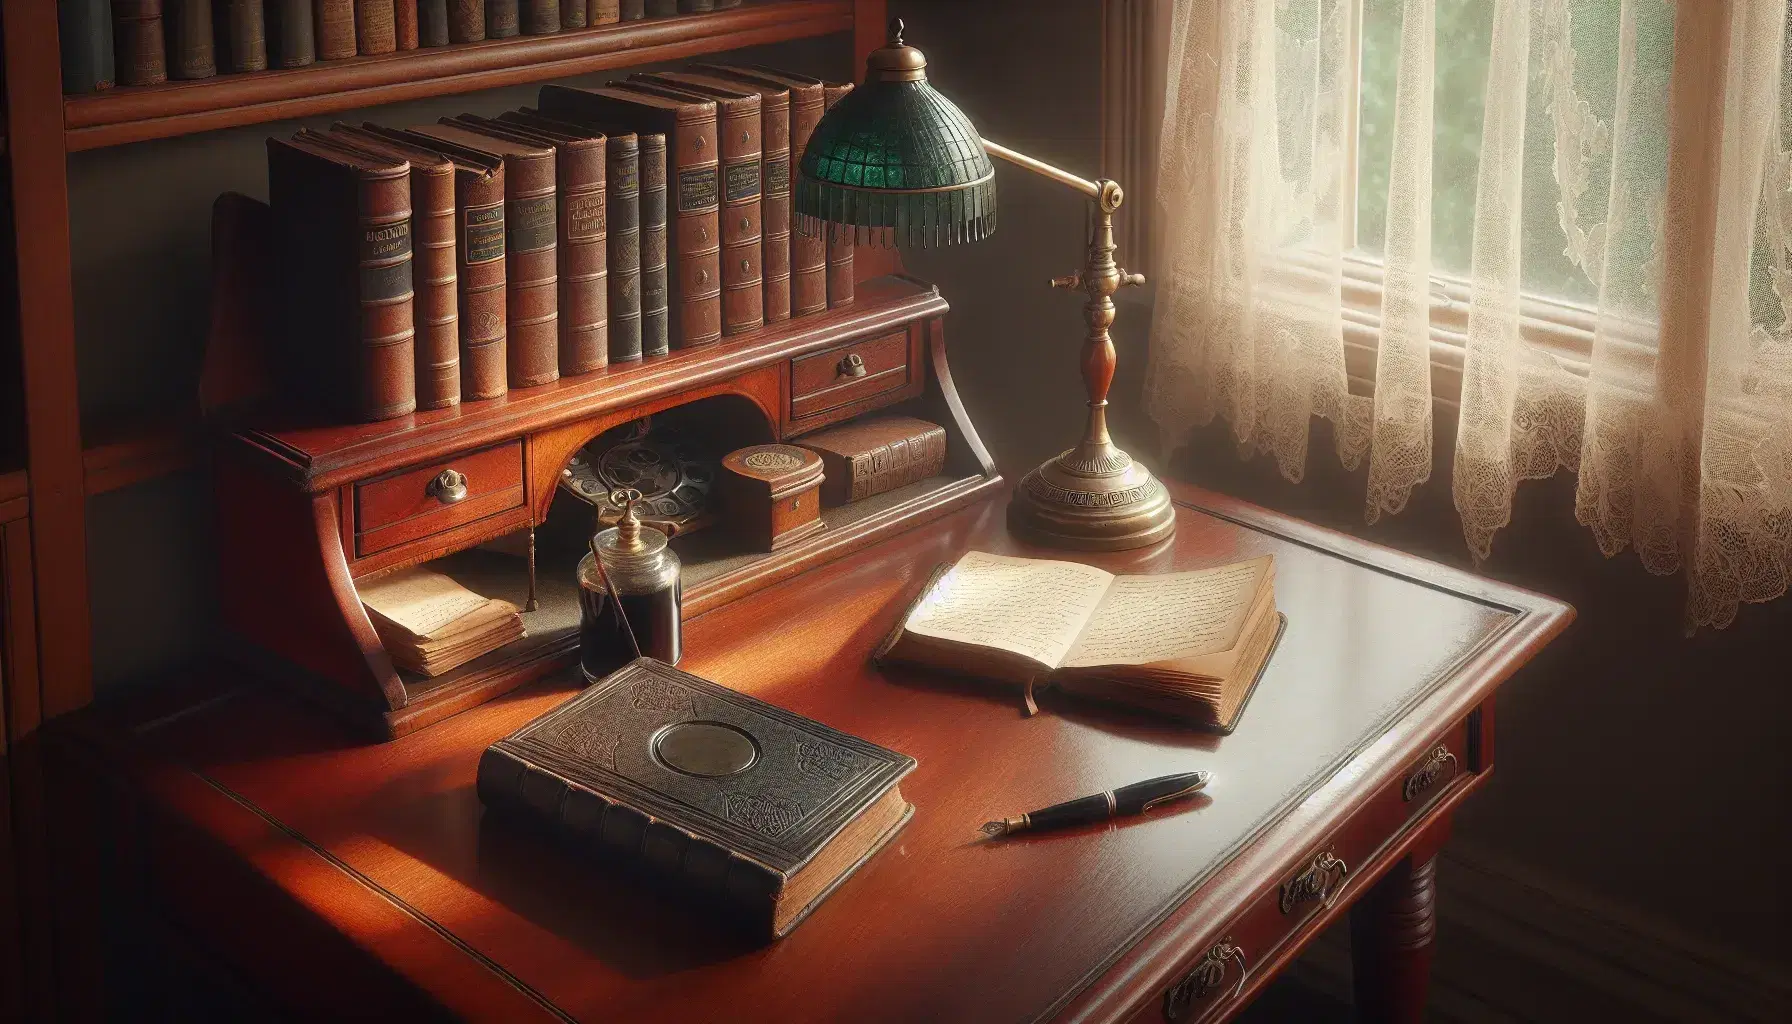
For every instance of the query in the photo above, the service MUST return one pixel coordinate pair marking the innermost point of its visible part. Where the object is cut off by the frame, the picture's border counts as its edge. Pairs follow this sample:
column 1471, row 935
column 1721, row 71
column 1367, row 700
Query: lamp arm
column 1040, row 167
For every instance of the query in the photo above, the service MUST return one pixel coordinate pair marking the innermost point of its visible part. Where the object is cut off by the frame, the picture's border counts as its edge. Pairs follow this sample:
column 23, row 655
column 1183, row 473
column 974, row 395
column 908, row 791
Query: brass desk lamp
column 896, row 162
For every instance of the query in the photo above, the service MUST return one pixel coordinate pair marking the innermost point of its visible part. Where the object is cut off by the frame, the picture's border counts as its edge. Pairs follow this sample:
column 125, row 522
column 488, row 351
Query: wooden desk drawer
column 840, row 376
column 1206, row 987
column 417, row 502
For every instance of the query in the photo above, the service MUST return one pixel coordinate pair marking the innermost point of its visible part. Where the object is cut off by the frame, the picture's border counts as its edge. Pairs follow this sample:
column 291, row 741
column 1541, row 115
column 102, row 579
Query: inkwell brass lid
column 634, row 556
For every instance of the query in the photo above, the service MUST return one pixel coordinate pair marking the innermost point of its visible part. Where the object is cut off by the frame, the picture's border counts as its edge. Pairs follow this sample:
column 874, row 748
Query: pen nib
column 995, row 828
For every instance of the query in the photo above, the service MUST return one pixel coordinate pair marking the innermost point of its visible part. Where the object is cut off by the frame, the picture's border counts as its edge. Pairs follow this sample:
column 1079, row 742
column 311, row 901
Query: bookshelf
column 49, row 464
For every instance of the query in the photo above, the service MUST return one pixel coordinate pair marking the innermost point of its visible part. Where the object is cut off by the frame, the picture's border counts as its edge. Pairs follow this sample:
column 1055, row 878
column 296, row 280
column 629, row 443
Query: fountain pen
column 1134, row 799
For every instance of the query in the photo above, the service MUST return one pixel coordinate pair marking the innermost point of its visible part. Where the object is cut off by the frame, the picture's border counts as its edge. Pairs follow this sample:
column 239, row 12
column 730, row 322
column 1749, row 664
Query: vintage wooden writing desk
column 352, row 879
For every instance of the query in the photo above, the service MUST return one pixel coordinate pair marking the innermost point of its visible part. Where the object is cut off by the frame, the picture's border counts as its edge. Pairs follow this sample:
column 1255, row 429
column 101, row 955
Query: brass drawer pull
column 1322, row 880
column 1207, row 976
column 449, row 487
column 1427, row 773
column 852, row 366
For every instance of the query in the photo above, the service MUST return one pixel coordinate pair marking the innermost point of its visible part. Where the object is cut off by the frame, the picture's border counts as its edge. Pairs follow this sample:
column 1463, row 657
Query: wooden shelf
column 124, row 454
column 133, row 114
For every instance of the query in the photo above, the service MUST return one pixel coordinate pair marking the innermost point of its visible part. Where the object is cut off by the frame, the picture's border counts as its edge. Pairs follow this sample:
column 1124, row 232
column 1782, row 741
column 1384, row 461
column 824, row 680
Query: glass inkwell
column 629, row 568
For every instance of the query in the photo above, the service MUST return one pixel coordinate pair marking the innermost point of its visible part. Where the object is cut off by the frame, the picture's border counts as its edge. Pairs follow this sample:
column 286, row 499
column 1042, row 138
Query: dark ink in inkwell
column 629, row 567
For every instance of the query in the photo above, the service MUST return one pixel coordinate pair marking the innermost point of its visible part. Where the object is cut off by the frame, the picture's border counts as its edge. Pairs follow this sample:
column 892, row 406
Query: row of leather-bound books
column 420, row 267
column 144, row 42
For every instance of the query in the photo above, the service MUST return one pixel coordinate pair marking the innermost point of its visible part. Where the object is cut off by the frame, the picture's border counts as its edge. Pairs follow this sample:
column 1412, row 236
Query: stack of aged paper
column 430, row 624
column 1189, row 645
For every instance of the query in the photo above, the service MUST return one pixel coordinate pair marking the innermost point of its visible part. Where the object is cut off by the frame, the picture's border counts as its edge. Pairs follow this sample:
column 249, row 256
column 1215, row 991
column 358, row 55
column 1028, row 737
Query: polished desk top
column 388, row 845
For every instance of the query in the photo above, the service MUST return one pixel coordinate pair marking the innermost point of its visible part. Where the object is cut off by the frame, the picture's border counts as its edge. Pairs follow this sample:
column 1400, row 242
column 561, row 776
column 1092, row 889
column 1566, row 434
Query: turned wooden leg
column 1391, row 927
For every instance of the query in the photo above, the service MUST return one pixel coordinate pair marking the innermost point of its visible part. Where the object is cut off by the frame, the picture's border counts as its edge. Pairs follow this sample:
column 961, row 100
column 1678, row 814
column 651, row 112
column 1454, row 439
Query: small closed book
column 746, row 807
column 1183, row 645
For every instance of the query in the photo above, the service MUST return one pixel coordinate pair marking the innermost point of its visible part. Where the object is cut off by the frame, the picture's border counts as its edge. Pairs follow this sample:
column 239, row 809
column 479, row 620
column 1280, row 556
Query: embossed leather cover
column 603, row 12
column 433, row 278
column 342, row 235
column 808, row 253
column 774, row 182
column 840, row 240
column 531, row 256
column 872, row 456
column 595, row 770
column 478, row 263
column 694, row 255
column 582, row 238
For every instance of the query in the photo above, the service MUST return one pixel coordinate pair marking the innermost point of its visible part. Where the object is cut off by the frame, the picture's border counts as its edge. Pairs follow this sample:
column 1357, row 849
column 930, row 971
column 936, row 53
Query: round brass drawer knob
column 852, row 366
column 449, row 487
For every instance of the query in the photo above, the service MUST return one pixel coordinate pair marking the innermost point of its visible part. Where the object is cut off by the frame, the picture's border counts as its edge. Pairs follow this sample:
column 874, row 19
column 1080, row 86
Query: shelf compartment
column 127, row 453
column 137, row 113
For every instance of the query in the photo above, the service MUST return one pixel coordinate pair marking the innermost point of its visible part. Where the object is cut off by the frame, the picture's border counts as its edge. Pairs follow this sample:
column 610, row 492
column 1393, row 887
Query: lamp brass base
column 1092, row 498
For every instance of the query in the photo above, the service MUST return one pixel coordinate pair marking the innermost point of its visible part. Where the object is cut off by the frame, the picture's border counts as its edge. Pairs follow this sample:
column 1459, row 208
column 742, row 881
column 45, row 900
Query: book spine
column 595, row 824
column 295, row 37
column 623, row 186
column 386, row 362
column 466, row 21
column 775, row 197
column 694, row 194
column 656, row 292
column 335, row 29
column 738, row 134
column 661, row 8
column 530, row 271
column 540, row 17
column 437, row 306
column 376, row 29
column 572, row 14
column 840, row 239
column 894, row 465
column 603, row 12
column 404, row 24
column 138, row 42
column 631, row 10
column 501, row 19
column 432, row 22
column 808, row 252
column 479, row 265
column 84, row 28
column 584, row 264
column 245, row 23
column 192, row 54
column 696, row 6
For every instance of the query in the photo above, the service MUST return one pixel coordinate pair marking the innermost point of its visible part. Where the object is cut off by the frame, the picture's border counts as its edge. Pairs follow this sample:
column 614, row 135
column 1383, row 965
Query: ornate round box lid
column 781, row 465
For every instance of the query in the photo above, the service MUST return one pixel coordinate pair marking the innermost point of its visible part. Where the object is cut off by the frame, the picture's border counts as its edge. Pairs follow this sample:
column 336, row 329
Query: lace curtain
column 1660, row 185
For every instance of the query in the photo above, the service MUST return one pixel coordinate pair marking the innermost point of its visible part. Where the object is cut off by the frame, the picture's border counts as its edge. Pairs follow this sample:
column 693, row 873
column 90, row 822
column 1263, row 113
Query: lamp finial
column 895, row 32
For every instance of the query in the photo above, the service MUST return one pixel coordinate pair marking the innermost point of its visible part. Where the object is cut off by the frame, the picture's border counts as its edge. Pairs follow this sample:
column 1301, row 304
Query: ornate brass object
column 1422, row 777
column 1322, row 880
column 1205, row 978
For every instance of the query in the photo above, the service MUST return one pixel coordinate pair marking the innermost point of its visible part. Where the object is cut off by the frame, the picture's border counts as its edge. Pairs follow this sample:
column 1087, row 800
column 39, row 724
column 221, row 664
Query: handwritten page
column 420, row 601
column 1174, row 615
column 1031, row 607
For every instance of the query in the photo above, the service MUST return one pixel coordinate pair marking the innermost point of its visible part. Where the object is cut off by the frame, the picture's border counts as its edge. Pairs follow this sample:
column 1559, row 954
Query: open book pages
column 430, row 624
column 1166, row 641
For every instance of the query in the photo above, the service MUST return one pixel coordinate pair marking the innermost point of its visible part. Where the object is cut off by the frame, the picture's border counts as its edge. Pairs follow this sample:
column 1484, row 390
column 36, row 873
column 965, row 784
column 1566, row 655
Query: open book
column 1189, row 645
column 432, row 625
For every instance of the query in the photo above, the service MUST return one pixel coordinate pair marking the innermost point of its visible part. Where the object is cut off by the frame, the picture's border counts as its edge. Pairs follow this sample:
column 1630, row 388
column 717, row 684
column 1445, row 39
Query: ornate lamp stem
column 1100, row 278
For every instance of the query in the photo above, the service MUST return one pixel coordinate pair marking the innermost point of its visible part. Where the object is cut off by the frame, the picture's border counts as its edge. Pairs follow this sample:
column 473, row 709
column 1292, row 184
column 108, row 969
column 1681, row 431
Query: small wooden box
column 771, row 494
column 871, row 456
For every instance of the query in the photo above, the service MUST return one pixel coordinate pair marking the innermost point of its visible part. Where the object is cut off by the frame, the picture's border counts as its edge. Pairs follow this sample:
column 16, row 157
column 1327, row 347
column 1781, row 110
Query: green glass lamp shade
column 894, row 161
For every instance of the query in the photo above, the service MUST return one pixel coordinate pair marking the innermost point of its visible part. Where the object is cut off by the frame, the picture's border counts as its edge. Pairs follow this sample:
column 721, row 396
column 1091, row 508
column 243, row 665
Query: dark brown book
column 335, row 29
column 540, row 17
column 739, row 135
column 872, row 456
column 631, row 10
column 501, row 19
column 661, row 8
column 694, row 257
column 478, row 263
column 245, row 35
column 572, row 14
column 840, row 239
column 404, row 24
column 466, row 21
column 581, row 242
column 436, row 307
column 84, row 36
column 808, row 249
column 293, row 34
column 376, row 28
column 774, row 182
column 191, row 52
column 656, row 279
column 1186, row 646
column 530, row 257
column 743, row 807
column 603, row 12
column 138, row 43
column 342, row 239
column 432, row 22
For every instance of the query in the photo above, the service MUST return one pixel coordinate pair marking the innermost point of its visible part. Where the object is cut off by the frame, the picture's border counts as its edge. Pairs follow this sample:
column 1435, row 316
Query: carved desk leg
column 1391, row 928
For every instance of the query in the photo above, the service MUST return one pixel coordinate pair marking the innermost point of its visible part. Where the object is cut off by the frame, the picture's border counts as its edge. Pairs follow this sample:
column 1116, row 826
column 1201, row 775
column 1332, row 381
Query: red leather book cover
column 774, row 182
column 808, row 252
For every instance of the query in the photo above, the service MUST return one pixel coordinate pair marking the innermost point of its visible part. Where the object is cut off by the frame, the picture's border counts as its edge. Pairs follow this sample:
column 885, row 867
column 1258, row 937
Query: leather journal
column 877, row 454
column 750, row 809
column 694, row 256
